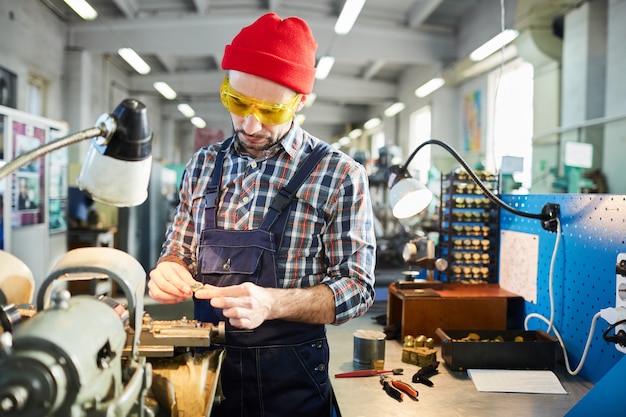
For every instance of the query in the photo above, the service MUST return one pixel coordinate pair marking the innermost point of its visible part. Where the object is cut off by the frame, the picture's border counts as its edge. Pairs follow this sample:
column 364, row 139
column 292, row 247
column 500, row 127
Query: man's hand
column 170, row 283
column 246, row 305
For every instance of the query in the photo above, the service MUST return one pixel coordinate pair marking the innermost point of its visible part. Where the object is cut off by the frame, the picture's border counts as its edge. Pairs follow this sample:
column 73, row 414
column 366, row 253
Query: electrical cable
column 550, row 322
column 619, row 338
column 551, row 275
column 497, row 88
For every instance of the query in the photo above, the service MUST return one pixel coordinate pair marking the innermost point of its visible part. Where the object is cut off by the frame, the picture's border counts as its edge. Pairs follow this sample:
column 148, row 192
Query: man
column 24, row 200
column 275, row 268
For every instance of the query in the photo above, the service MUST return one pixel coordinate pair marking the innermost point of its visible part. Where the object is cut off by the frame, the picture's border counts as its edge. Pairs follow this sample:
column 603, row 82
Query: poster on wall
column 28, row 181
column 58, row 197
column 471, row 121
column 8, row 88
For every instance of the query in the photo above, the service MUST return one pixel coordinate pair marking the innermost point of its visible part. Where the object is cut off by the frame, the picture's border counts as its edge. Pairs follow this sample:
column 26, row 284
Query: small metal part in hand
column 197, row 286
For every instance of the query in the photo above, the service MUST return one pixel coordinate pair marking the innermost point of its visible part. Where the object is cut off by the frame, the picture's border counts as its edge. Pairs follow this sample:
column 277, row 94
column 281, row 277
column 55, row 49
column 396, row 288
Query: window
column 35, row 95
column 378, row 141
column 511, row 95
column 420, row 132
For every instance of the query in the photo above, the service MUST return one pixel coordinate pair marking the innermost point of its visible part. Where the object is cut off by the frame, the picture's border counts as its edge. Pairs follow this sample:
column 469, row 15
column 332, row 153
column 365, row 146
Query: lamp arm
column 422, row 145
column 46, row 148
column 548, row 215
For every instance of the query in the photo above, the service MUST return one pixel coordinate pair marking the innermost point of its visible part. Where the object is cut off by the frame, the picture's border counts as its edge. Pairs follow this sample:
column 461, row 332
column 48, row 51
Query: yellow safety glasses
column 266, row 113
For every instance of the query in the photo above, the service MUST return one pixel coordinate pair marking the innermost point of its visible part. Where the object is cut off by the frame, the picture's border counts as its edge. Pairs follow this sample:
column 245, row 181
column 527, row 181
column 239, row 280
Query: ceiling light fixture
column 394, row 109
column 83, row 9
column 355, row 133
column 198, row 122
column 372, row 123
column 429, row 87
column 491, row 62
column 186, row 110
column 348, row 16
column 165, row 90
column 324, row 65
column 492, row 45
column 343, row 141
column 134, row 60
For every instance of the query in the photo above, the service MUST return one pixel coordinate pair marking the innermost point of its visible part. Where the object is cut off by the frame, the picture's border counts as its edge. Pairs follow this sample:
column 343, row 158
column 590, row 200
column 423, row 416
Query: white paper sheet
column 516, row 381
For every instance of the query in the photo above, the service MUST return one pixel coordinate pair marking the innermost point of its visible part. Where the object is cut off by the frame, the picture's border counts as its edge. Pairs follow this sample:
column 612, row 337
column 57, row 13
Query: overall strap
column 212, row 194
column 286, row 195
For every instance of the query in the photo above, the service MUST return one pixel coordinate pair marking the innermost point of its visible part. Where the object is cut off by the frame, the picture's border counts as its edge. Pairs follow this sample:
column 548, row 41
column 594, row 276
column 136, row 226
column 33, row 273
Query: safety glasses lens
column 266, row 113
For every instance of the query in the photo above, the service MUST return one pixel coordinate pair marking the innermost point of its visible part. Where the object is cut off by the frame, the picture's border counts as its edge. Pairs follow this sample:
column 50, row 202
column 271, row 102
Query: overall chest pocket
column 227, row 252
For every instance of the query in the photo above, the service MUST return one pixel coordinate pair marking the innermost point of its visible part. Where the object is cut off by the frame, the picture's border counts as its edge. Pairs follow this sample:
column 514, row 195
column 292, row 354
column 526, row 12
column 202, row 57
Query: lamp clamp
column 550, row 213
column 108, row 125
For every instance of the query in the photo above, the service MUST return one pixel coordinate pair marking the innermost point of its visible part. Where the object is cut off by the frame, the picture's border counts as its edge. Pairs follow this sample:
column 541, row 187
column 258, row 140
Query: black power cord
column 618, row 338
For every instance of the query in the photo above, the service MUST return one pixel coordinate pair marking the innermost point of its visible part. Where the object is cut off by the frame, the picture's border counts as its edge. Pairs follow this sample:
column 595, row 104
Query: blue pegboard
column 593, row 233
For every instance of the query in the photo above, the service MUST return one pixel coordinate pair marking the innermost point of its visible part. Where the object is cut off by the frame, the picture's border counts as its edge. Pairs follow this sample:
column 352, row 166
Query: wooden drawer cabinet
column 455, row 306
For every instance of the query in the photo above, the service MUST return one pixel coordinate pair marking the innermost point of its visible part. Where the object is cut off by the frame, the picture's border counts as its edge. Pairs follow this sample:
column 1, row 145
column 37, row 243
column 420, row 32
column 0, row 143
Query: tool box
column 498, row 349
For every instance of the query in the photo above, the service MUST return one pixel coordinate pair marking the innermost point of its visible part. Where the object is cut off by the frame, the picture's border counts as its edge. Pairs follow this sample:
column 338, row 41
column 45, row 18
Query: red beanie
column 282, row 51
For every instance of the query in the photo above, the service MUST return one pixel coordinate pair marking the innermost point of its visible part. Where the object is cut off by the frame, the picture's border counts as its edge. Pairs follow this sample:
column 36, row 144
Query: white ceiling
column 183, row 42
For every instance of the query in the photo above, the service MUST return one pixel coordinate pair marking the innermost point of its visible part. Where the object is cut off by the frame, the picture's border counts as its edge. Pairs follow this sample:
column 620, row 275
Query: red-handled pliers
column 396, row 388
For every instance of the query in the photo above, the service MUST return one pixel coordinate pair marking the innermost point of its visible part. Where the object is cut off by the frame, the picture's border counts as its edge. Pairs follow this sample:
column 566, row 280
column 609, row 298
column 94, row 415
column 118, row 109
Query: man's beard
column 268, row 143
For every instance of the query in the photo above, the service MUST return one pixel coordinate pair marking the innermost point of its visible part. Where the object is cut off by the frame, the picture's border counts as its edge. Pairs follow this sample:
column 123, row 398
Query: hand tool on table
column 369, row 372
column 423, row 375
column 390, row 390
column 401, row 386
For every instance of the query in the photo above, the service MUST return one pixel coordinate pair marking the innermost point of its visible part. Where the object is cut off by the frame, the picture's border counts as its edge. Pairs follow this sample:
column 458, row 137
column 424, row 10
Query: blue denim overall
column 279, row 368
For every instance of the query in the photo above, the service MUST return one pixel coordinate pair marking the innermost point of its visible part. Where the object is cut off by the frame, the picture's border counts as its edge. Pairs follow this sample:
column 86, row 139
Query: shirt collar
column 293, row 140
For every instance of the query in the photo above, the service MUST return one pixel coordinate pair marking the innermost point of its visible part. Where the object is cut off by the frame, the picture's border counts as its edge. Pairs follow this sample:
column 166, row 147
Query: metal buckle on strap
column 210, row 198
column 282, row 200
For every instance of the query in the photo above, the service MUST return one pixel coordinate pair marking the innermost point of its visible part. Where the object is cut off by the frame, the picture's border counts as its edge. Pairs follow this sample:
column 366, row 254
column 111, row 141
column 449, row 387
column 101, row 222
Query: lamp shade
column 409, row 197
column 117, row 171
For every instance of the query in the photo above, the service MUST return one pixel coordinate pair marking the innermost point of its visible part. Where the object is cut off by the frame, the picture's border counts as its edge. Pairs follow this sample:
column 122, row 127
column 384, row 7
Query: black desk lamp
column 408, row 196
column 116, row 170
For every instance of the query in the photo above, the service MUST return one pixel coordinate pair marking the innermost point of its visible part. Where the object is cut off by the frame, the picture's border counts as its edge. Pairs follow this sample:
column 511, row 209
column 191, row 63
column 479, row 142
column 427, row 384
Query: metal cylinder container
column 369, row 347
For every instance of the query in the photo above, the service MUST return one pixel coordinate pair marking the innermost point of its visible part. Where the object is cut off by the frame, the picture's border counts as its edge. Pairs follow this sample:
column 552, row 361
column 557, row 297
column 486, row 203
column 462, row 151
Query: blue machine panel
column 593, row 233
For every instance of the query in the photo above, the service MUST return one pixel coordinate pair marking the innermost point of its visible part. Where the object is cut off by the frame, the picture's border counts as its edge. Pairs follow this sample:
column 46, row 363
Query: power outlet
column 620, row 292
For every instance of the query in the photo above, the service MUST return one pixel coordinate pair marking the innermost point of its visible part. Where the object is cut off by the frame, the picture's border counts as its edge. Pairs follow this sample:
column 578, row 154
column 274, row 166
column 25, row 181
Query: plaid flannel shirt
column 329, row 238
